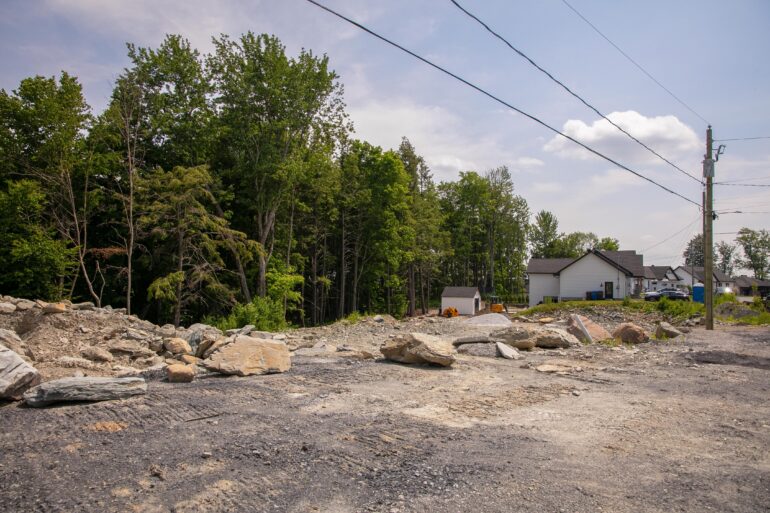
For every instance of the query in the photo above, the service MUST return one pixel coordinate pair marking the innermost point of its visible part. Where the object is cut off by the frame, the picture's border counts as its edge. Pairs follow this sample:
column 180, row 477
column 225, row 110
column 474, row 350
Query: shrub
column 264, row 313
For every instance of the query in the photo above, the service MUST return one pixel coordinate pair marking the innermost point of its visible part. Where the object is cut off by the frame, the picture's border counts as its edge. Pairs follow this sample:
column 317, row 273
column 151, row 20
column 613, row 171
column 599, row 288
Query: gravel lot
column 677, row 426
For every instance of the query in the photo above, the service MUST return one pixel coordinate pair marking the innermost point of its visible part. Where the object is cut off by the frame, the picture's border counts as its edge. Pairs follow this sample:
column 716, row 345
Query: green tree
column 726, row 257
column 693, row 253
column 35, row 262
column 178, row 219
column 756, row 250
column 271, row 107
column 544, row 235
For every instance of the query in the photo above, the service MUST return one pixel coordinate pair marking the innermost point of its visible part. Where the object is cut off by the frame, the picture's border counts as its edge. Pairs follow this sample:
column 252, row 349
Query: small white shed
column 466, row 300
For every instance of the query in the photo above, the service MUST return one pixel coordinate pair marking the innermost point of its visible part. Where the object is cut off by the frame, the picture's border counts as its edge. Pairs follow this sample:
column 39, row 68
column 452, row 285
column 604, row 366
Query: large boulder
column 528, row 337
column 630, row 333
column 419, row 348
column 84, row 389
column 16, row 375
column 666, row 330
column 247, row 356
column 587, row 330
column 55, row 308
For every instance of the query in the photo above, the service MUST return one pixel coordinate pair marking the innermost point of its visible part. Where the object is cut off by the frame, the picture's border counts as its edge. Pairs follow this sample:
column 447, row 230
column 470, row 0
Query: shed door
column 476, row 305
column 607, row 290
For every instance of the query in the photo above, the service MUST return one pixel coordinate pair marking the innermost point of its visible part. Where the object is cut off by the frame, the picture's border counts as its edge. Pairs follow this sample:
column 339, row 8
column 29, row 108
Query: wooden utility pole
column 708, row 245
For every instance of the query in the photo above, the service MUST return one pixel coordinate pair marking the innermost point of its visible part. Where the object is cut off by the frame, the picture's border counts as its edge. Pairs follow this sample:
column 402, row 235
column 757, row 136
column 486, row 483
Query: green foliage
column 265, row 313
column 756, row 249
column 679, row 309
column 34, row 261
column 165, row 287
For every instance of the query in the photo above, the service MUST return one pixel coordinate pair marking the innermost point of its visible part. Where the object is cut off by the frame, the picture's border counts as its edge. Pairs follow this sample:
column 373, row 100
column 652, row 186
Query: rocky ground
column 675, row 425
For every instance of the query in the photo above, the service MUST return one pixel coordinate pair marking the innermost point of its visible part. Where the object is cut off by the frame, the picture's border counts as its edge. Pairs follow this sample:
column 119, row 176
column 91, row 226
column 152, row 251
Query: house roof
column 656, row 272
column 460, row 292
column 547, row 265
column 749, row 281
column 628, row 260
column 698, row 273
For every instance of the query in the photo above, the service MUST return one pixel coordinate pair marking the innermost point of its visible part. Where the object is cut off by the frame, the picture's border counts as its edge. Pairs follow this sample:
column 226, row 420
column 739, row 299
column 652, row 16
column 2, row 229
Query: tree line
column 750, row 250
column 231, row 184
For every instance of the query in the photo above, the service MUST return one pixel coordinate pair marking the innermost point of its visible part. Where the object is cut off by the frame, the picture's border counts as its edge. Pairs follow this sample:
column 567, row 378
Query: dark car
column 673, row 294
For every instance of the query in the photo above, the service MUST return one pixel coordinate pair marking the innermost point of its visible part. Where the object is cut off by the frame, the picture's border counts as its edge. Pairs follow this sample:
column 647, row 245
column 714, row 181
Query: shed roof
column 628, row 260
column 460, row 292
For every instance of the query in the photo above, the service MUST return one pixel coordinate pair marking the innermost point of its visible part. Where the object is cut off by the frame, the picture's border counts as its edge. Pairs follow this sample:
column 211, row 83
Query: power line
column 672, row 236
column 635, row 63
column 502, row 102
column 743, row 184
column 743, row 212
column 743, row 180
column 570, row 91
column 741, row 138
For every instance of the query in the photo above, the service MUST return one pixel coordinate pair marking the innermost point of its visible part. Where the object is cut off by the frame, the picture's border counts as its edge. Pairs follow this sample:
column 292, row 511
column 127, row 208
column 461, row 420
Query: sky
column 710, row 54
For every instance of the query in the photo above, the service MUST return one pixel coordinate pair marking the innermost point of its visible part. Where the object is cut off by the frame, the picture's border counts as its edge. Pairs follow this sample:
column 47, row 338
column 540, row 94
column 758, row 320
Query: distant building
column 658, row 277
column 466, row 300
column 749, row 286
column 690, row 275
column 595, row 275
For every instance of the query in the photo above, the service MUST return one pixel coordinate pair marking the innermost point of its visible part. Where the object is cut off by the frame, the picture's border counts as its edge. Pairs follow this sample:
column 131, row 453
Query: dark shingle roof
column 746, row 282
column 698, row 272
column 656, row 272
column 628, row 260
column 547, row 265
column 459, row 292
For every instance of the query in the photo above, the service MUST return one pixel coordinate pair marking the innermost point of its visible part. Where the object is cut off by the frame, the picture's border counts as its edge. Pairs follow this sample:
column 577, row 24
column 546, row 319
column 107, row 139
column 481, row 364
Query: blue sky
column 711, row 54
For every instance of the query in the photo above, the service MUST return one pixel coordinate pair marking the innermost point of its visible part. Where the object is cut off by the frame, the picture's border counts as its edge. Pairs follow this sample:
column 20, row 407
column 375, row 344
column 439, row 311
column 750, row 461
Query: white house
column 466, row 300
column 597, row 274
column 658, row 277
column 690, row 275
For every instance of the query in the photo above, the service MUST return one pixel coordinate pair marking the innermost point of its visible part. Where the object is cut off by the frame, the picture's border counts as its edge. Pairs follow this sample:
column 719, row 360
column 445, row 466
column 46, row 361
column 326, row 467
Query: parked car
column 672, row 293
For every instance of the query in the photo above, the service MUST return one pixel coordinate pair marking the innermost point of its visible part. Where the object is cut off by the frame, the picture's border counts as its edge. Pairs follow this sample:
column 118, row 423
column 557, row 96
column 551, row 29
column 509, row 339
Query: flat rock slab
column 487, row 349
column 16, row 375
column 84, row 389
column 507, row 352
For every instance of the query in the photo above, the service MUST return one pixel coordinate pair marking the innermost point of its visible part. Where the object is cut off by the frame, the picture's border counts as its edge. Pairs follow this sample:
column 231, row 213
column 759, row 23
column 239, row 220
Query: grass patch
column 354, row 318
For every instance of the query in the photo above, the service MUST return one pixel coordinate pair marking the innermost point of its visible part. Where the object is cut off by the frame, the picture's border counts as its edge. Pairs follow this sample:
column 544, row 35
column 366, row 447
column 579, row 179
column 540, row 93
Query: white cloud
column 665, row 134
column 447, row 143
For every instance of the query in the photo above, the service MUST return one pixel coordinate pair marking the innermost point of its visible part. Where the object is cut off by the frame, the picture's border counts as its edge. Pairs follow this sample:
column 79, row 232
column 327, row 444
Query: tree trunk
column 237, row 257
column 412, row 309
column 343, row 271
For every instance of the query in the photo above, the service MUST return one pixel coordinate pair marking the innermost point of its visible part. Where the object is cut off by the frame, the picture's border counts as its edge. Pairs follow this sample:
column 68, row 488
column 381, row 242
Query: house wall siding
column 590, row 273
column 541, row 285
column 464, row 305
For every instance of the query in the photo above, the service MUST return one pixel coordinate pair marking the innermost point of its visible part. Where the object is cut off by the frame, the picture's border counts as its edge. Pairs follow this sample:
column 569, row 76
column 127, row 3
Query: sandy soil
column 662, row 427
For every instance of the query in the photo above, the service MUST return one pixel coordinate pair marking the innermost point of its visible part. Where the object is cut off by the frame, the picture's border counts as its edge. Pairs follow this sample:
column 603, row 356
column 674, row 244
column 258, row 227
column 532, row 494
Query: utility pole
column 708, row 246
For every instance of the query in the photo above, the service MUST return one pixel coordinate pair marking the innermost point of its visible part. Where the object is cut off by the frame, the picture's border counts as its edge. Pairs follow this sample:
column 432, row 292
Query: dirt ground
column 665, row 426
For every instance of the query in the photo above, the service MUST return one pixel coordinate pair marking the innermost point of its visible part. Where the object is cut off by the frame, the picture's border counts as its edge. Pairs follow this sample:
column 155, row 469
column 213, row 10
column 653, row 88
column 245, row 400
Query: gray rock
column 471, row 339
column 528, row 337
column 419, row 348
column 129, row 347
column 378, row 318
column 16, row 375
column 12, row 341
column 507, row 352
column 666, row 330
column 86, row 305
column 487, row 349
column 84, row 389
